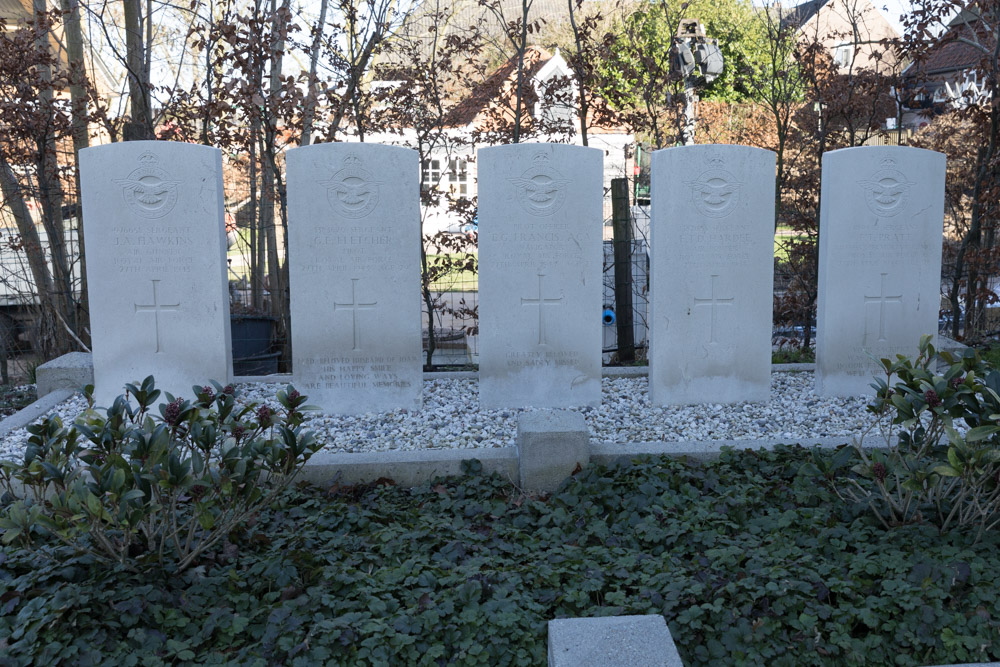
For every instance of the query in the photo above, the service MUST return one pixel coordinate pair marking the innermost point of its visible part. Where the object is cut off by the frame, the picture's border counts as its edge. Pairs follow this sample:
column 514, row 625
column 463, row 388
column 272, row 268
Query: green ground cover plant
column 752, row 559
column 792, row 354
column 991, row 355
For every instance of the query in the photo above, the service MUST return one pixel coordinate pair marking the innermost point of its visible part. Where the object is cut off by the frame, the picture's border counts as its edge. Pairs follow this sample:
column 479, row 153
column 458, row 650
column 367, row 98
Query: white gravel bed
column 451, row 418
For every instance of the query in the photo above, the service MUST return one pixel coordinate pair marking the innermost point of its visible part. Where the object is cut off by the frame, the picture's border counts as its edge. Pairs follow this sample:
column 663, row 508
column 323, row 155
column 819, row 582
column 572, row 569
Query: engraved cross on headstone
column 882, row 299
column 715, row 303
column 156, row 307
column 539, row 302
column 354, row 306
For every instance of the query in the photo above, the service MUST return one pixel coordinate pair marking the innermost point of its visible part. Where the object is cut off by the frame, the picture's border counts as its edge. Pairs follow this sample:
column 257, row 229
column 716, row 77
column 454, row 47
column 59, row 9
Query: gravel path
column 451, row 418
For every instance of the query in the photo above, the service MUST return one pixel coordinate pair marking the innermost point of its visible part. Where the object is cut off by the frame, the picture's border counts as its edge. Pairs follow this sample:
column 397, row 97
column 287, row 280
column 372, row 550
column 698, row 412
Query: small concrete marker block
column 612, row 641
column 550, row 445
column 74, row 370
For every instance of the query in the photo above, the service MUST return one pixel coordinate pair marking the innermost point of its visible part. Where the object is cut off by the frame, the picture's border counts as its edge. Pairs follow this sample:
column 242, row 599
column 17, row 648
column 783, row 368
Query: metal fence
column 455, row 294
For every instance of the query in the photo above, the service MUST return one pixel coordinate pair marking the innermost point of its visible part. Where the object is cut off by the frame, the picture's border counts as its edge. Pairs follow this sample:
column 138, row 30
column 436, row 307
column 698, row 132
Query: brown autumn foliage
column 841, row 110
column 747, row 124
column 37, row 182
column 974, row 263
column 954, row 136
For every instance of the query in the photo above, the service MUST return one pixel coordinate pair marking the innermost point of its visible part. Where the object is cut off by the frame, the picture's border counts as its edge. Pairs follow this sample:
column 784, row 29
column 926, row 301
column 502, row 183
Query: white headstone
column 156, row 265
column 712, row 264
column 880, row 234
column 354, row 273
column 540, row 230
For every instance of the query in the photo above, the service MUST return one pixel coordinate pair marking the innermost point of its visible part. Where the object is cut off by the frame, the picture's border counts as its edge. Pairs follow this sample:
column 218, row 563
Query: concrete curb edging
column 551, row 444
column 74, row 371
column 547, row 454
column 406, row 468
column 32, row 412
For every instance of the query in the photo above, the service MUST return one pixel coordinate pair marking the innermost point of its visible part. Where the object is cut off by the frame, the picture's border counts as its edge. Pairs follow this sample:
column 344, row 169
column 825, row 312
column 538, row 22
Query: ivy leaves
column 748, row 557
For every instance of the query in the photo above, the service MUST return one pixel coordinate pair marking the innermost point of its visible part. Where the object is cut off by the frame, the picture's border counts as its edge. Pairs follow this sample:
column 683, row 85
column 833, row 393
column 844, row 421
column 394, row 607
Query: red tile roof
column 951, row 55
column 502, row 82
column 495, row 96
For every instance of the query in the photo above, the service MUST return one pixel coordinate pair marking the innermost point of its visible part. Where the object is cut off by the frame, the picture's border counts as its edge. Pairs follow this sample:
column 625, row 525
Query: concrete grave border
column 539, row 473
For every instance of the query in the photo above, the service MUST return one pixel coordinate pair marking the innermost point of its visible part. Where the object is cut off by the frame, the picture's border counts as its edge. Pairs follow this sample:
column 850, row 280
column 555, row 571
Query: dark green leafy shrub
column 933, row 471
column 145, row 489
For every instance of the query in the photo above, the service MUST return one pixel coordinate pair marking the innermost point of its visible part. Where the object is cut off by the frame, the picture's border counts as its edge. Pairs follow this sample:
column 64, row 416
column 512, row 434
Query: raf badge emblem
column 885, row 191
column 716, row 193
column 148, row 190
column 541, row 190
column 352, row 191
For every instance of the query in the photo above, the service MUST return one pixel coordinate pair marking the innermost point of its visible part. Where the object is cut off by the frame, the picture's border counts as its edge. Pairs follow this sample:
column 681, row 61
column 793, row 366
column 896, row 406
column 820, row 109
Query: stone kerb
column 70, row 371
column 156, row 269
column 550, row 446
column 612, row 641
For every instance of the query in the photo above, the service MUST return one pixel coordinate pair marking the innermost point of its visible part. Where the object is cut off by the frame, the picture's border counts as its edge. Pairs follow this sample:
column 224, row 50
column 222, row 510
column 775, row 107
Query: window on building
column 458, row 177
column 843, row 55
column 430, row 174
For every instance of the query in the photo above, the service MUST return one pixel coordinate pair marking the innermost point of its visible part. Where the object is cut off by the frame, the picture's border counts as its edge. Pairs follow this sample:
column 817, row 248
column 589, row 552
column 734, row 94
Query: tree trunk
column 429, row 304
column 14, row 200
column 206, row 120
column 81, row 131
column 268, row 149
column 50, row 195
column 141, row 125
column 522, row 46
column 578, row 71
column 309, row 112
column 256, row 239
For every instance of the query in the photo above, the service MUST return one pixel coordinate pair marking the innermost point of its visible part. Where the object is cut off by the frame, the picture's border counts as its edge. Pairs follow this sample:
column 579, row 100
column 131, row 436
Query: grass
column 750, row 559
column 780, row 249
column 460, row 280
column 452, row 281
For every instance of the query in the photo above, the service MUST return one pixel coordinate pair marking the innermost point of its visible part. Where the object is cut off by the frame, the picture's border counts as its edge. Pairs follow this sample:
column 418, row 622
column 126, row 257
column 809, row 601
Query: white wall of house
column 451, row 165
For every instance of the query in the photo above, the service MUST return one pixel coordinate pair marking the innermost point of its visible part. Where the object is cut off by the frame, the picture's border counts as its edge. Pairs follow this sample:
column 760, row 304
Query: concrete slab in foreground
column 612, row 641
